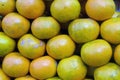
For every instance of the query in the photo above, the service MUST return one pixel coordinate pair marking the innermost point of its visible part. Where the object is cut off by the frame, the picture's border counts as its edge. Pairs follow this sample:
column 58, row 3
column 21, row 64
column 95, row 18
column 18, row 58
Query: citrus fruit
column 30, row 9
column 43, row 67
column 45, row 27
column 83, row 30
column 15, row 25
column 31, row 47
column 27, row 77
column 100, row 9
column 15, row 65
column 60, row 46
column 3, row 76
column 110, row 71
column 65, row 10
column 96, row 53
column 116, row 14
column 7, row 6
column 7, row 44
column 71, row 68
column 54, row 78
column 117, row 54
column 110, row 30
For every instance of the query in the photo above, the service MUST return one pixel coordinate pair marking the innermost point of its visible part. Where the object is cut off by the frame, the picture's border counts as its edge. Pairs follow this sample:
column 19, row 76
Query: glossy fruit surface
column 96, row 53
column 71, row 68
column 63, row 10
column 60, row 46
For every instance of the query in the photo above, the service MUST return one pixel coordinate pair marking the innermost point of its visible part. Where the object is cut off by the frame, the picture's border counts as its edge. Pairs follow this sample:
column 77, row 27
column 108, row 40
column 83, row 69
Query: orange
column 30, row 9
column 31, row 47
column 96, row 53
column 60, row 46
column 27, row 77
column 7, row 44
column 3, row 76
column 100, row 9
column 83, row 30
column 71, row 68
column 110, row 71
column 110, row 30
column 15, row 25
column 15, row 65
column 43, row 67
column 117, row 54
column 65, row 10
column 7, row 6
column 45, row 27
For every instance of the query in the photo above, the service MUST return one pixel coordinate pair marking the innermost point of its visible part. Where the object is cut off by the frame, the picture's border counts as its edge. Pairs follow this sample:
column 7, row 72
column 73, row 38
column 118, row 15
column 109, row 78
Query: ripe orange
column 71, row 68
column 65, row 10
column 117, row 54
column 15, row 25
column 83, row 30
column 96, row 53
column 30, row 9
column 31, row 47
column 7, row 44
column 110, row 30
column 3, row 76
column 43, row 67
column 110, row 71
column 60, row 46
column 6, row 6
column 100, row 9
column 15, row 65
column 27, row 77
column 45, row 27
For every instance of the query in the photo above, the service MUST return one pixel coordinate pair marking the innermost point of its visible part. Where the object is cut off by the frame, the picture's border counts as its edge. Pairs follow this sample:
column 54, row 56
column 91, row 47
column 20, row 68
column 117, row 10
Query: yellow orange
column 45, row 27
column 15, row 65
column 3, row 76
column 43, row 67
column 100, row 9
column 30, row 9
column 15, row 25
column 31, row 47
column 96, row 53
column 60, row 46
column 7, row 6
column 110, row 30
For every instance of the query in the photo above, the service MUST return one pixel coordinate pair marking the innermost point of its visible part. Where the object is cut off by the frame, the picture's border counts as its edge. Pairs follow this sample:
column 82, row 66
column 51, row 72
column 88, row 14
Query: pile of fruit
column 59, row 40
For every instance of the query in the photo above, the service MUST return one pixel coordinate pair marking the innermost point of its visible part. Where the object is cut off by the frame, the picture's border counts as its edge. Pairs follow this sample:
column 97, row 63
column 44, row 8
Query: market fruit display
column 59, row 40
